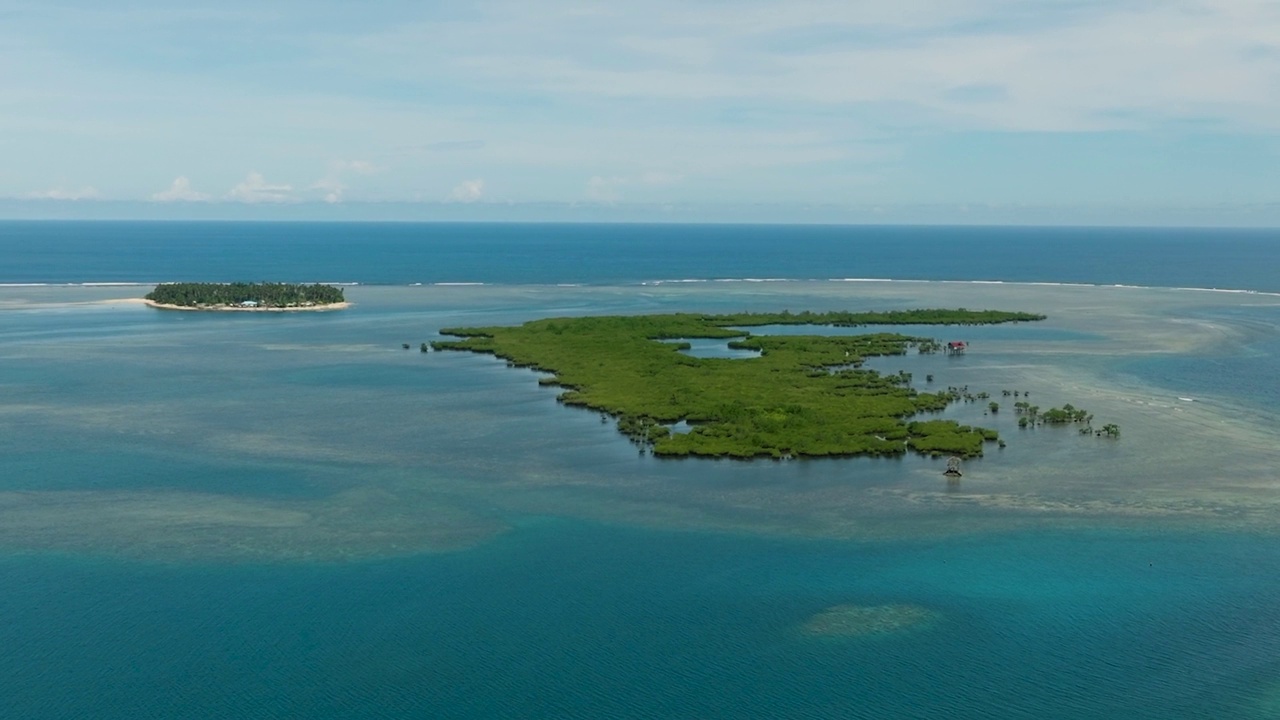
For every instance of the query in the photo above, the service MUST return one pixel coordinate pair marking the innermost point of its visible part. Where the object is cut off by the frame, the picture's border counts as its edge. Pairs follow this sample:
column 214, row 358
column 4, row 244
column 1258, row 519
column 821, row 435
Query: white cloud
column 331, row 188
column 1055, row 66
column 332, row 185
column 255, row 189
column 179, row 191
column 59, row 193
column 609, row 189
column 359, row 167
column 468, row 191
column 605, row 189
column 657, row 177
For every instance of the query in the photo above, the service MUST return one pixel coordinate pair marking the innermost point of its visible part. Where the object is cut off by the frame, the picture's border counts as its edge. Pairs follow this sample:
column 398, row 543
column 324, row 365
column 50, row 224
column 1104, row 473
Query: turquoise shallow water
column 1247, row 370
column 209, row 516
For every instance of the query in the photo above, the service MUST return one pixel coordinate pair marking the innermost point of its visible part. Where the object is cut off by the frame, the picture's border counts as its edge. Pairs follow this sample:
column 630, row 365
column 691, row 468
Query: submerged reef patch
column 849, row 621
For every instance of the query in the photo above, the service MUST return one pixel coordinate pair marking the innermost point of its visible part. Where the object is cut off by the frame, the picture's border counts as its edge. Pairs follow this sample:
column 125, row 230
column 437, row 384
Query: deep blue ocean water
column 395, row 253
column 561, row 617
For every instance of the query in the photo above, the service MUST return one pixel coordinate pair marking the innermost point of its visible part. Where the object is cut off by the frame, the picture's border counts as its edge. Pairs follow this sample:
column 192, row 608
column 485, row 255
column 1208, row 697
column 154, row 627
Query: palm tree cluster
column 278, row 295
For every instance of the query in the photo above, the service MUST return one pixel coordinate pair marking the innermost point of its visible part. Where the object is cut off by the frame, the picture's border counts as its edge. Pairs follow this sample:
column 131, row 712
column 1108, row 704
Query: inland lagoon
column 266, row 515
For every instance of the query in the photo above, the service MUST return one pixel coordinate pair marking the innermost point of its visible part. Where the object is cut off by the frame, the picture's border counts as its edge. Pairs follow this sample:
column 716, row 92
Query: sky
column 1001, row 111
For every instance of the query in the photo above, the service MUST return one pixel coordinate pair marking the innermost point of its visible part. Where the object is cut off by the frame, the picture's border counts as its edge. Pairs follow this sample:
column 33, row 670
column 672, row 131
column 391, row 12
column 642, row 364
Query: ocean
column 548, row 254
column 288, row 515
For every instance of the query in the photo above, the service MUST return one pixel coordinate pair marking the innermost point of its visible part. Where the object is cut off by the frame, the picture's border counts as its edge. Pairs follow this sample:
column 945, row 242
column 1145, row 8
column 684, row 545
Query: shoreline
column 232, row 308
column 657, row 282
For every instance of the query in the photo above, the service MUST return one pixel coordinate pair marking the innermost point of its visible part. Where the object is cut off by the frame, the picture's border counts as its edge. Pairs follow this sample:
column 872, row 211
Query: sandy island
column 236, row 308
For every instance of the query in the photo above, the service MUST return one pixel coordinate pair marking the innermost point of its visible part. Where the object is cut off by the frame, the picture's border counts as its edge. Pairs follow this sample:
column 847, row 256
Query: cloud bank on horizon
column 799, row 103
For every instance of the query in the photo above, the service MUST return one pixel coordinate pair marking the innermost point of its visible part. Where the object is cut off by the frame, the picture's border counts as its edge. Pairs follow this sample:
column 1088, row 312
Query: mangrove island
column 802, row 396
column 245, row 296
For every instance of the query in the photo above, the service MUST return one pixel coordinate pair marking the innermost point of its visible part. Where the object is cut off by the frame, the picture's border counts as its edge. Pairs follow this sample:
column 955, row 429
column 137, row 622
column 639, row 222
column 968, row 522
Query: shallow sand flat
column 172, row 525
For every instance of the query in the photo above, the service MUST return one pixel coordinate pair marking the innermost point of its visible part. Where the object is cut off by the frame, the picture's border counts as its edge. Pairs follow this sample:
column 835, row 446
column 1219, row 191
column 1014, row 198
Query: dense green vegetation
column 804, row 395
column 267, row 295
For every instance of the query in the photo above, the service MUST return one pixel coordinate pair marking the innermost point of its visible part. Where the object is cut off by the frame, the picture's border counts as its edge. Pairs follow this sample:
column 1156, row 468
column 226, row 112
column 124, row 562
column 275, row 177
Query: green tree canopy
column 804, row 395
column 271, row 295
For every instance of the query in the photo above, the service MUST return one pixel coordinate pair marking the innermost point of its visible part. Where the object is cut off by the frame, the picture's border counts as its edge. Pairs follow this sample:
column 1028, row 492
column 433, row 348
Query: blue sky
column 1115, row 111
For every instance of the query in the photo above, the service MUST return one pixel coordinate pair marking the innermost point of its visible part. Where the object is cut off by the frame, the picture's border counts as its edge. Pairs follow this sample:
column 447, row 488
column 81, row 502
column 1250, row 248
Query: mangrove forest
column 802, row 395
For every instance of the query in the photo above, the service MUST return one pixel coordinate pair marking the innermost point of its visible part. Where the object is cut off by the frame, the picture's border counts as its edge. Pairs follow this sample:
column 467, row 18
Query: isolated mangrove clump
column 1031, row 416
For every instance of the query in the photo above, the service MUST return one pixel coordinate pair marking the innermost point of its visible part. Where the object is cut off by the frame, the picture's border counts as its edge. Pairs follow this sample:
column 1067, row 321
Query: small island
column 805, row 395
column 246, row 297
